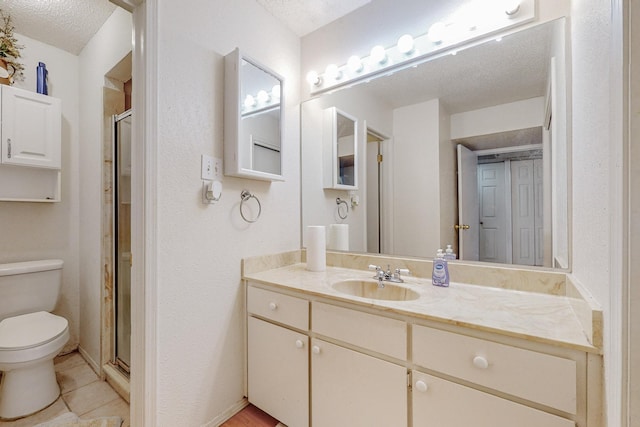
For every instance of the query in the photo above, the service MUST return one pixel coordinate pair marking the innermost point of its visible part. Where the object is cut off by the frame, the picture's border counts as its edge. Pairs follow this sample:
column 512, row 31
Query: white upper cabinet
column 31, row 129
column 340, row 153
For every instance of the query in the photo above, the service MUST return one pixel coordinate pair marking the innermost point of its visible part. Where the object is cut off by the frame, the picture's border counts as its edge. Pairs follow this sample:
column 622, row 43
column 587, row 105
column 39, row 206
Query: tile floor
column 82, row 393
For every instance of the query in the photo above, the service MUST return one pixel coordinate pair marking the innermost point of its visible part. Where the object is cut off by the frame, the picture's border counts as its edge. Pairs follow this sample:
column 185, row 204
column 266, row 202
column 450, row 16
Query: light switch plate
column 217, row 169
column 207, row 171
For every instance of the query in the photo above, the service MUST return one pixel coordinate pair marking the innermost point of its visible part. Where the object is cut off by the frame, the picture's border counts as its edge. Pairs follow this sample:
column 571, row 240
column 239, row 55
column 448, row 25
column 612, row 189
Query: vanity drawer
column 534, row 376
column 376, row 333
column 281, row 308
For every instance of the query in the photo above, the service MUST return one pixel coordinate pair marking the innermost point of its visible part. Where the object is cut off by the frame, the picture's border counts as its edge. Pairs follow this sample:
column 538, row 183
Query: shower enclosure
column 122, row 240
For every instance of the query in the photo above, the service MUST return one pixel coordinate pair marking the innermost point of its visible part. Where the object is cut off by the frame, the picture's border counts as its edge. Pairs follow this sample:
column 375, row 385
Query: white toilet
column 30, row 336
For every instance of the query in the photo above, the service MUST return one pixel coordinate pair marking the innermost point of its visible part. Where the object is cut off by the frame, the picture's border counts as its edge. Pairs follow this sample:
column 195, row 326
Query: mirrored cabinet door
column 340, row 140
column 253, row 119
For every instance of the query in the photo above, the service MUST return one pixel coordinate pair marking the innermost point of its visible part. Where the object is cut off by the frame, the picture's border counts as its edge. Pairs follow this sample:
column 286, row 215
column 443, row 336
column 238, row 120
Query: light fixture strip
column 453, row 36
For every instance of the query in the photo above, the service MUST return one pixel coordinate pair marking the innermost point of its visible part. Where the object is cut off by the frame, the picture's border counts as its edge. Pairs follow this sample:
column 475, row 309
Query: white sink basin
column 370, row 289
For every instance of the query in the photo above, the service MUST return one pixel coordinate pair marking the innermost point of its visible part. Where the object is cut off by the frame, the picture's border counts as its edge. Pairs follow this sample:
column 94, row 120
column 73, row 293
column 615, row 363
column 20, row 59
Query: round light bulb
column 355, row 64
column 275, row 91
column 405, row 44
column 332, row 72
column 313, row 78
column 378, row 55
column 263, row 96
column 437, row 32
column 249, row 101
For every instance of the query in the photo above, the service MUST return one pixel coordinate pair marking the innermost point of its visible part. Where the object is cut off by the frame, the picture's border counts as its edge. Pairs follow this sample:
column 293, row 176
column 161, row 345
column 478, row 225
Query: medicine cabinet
column 253, row 99
column 31, row 146
column 340, row 150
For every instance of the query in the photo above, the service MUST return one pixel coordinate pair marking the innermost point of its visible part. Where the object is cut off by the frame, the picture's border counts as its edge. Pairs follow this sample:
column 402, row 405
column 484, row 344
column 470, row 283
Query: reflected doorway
column 374, row 188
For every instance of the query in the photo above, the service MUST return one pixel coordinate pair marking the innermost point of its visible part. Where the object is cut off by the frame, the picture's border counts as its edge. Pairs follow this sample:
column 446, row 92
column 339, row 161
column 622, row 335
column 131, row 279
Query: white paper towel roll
column 338, row 239
column 316, row 248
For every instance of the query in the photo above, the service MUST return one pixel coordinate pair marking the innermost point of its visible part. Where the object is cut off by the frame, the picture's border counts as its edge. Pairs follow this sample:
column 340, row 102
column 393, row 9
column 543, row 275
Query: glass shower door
column 122, row 233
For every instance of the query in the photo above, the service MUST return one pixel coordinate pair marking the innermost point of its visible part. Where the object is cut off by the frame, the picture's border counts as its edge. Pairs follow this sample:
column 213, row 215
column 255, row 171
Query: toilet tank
column 27, row 287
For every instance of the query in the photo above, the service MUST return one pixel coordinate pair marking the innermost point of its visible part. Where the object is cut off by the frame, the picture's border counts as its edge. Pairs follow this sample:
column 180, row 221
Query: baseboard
column 220, row 419
column 95, row 366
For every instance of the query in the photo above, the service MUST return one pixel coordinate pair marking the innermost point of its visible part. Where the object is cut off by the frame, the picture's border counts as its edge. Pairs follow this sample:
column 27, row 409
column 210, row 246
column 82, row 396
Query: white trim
column 504, row 150
column 226, row 415
column 143, row 216
column 92, row 363
column 617, row 346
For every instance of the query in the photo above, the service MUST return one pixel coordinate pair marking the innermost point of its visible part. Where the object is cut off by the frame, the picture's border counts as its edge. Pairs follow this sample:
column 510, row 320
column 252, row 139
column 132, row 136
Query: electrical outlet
column 207, row 167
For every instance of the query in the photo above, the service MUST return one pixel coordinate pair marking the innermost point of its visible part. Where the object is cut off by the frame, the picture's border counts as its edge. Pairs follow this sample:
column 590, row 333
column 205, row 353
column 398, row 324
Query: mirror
column 253, row 119
column 339, row 136
column 505, row 102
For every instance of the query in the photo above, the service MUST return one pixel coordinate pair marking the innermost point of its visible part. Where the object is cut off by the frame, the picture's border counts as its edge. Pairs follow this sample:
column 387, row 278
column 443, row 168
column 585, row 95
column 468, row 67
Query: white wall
column 416, row 159
column 200, row 316
column 110, row 44
column 500, row 118
column 319, row 204
column 32, row 231
column 590, row 35
column 448, row 175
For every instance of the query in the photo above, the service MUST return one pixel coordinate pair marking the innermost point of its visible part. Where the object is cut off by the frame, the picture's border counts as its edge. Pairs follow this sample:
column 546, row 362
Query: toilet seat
column 31, row 330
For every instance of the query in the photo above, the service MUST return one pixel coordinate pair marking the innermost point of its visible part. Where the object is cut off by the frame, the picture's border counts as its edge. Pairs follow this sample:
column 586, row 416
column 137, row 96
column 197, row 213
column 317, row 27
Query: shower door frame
column 114, row 359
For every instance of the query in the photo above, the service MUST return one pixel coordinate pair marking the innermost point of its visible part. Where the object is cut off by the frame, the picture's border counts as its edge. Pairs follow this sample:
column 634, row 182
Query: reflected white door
column 527, row 208
column 468, row 238
column 494, row 216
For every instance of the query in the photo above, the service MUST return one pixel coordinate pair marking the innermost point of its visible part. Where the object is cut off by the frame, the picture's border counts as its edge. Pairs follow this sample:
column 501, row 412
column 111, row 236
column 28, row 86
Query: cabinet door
column 31, row 129
column 278, row 372
column 437, row 402
column 352, row 389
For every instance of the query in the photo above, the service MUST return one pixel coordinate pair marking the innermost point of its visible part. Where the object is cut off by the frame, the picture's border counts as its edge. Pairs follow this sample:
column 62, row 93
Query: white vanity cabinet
column 359, row 366
column 438, row 402
column 278, row 357
column 31, row 153
column 349, row 387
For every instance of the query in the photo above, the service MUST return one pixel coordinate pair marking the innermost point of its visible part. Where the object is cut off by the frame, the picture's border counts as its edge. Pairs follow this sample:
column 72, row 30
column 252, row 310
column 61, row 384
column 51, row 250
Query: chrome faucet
column 381, row 276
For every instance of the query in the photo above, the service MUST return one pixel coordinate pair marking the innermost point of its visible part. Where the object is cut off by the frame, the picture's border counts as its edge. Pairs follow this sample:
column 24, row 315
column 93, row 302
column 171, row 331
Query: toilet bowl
column 30, row 336
column 28, row 344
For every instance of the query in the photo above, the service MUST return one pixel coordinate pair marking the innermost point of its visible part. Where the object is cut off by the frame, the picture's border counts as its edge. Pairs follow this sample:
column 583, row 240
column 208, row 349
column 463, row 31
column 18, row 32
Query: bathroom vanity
column 469, row 354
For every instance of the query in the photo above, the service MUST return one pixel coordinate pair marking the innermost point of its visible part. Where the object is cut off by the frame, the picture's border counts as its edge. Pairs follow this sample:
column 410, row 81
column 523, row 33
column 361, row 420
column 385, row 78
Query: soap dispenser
column 449, row 254
column 440, row 276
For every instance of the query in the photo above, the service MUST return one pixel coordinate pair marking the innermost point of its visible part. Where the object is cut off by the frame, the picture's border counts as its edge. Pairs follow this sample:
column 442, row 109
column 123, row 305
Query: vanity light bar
column 473, row 21
column 262, row 101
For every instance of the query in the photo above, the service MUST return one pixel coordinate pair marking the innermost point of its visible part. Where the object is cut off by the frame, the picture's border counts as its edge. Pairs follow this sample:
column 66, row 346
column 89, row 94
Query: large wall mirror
column 253, row 119
column 501, row 197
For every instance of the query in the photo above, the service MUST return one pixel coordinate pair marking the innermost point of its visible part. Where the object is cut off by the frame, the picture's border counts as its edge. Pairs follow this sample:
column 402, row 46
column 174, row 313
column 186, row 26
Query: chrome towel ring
column 339, row 202
column 244, row 196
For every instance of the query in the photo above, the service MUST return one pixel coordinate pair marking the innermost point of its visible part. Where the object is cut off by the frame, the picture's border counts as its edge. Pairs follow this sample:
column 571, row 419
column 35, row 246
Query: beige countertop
column 539, row 317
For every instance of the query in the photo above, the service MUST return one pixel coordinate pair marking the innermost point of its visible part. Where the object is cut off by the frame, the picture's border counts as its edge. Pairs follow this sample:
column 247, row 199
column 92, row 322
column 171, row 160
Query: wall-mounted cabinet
column 30, row 148
column 340, row 150
column 253, row 119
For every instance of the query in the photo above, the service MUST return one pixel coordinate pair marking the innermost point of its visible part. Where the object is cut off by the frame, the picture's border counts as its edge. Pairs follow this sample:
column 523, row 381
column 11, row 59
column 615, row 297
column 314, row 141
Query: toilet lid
column 30, row 330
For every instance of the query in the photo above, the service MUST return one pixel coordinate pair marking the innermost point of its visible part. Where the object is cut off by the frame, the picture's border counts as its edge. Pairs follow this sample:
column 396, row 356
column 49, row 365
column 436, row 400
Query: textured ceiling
column 489, row 74
column 305, row 16
column 66, row 24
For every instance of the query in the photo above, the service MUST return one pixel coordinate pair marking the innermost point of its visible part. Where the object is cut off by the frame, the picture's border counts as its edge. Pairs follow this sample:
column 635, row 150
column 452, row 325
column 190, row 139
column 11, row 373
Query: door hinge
column 8, row 148
column 409, row 380
column 379, row 158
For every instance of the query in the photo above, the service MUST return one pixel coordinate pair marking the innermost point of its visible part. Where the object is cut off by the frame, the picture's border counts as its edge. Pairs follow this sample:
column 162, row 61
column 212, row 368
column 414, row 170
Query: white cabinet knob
column 299, row 344
column 480, row 362
column 421, row 386
column 273, row 306
column 316, row 349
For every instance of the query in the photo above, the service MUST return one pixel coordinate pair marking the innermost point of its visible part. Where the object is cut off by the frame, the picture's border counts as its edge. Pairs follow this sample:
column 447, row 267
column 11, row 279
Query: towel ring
column 339, row 202
column 244, row 196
